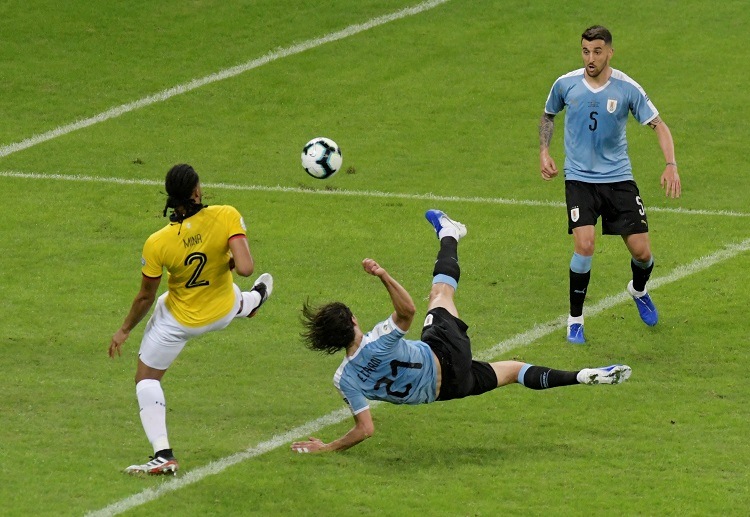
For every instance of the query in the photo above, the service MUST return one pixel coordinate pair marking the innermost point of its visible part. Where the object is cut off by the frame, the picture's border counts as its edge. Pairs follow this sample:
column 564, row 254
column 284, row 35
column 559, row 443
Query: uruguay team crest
column 611, row 105
column 574, row 214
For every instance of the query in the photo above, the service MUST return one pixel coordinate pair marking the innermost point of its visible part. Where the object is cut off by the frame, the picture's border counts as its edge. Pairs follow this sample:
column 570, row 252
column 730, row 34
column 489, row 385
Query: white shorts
column 165, row 337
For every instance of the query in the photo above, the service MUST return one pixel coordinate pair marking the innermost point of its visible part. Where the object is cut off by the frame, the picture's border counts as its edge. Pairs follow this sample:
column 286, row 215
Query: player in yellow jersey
column 199, row 248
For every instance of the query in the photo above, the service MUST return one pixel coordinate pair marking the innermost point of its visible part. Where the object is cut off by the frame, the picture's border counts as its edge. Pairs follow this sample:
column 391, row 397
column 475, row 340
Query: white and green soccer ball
column 321, row 157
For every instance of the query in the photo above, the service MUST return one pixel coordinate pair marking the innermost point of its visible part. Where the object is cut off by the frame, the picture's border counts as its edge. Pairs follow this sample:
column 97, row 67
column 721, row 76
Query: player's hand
column 117, row 340
column 310, row 446
column 373, row 267
column 670, row 182
column 547, row 166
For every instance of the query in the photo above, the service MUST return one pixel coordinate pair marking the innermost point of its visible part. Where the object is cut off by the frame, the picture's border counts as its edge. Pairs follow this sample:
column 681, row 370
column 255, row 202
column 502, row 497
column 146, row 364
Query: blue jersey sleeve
column 555, row 101
column 641, row 107
column 353, row 397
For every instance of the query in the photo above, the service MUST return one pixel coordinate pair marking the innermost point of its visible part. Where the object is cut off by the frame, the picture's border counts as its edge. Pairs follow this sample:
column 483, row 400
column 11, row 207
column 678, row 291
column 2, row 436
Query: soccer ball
column 321, row 157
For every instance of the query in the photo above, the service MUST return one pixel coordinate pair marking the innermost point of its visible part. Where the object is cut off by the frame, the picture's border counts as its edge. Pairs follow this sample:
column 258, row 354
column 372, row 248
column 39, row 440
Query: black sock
column 164, row 453
column 542, row 378
column 640, row 275
column 579, row 283
column 447, row 259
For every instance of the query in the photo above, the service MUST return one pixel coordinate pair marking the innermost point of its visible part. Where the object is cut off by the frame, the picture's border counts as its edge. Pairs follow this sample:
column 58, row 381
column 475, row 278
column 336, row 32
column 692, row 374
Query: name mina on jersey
column 596, row 150
column 387, row 367
column 196, row 256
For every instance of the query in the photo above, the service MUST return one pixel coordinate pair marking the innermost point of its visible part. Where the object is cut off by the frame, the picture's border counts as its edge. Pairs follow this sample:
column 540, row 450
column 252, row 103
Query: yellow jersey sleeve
column 235, row 222
column 151, row 264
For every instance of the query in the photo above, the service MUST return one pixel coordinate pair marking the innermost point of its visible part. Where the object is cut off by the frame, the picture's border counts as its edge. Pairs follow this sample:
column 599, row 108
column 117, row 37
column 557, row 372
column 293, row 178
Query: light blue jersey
column 387, row 367
column 596, row 150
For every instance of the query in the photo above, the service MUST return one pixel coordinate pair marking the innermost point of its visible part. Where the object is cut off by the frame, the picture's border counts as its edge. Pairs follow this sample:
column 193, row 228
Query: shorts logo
column 611, row 105
column 574, row 214
column 428, row 320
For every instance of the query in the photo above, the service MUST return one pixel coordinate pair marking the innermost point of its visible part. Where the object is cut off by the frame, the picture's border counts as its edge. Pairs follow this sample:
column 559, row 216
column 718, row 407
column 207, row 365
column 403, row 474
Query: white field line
column 195, row 475
column 339, row 415
column 350, row 193
column 218, row 76
column 680, row 272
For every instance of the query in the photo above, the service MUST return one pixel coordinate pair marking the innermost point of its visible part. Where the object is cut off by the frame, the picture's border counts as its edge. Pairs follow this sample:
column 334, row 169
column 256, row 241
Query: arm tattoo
column 546, row 126
column 655, row 122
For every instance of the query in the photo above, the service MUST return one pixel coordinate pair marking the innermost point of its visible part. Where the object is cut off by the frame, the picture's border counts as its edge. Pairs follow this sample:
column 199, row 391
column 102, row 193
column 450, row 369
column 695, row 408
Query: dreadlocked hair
column 328, row 328
column 180, row 183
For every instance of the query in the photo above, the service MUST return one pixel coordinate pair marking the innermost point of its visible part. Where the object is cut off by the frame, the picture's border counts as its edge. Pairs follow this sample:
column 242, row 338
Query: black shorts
column 619, row 204
column 461, row 375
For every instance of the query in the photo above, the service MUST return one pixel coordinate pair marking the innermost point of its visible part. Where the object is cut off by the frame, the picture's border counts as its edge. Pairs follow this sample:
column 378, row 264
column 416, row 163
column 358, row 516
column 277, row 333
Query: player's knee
column 585, row 247
column 643, row 255
column 439, row 293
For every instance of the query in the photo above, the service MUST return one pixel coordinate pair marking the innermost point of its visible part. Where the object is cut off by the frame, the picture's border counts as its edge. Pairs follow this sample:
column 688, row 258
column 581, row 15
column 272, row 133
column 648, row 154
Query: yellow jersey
column 196, row 255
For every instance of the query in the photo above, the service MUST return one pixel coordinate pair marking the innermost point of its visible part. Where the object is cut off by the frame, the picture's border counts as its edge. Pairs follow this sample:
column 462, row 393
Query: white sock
column 448, row 231
column 250, row 300
column 153, row 412
column 575, row 319
column 633, row 292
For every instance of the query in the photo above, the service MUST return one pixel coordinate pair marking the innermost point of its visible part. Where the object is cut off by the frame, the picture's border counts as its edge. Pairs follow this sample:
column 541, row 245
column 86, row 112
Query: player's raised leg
column 447, row 272
column 257, row 296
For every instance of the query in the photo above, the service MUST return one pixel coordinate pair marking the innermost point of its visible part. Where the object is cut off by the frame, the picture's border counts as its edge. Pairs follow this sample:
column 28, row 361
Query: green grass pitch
column 436, row 107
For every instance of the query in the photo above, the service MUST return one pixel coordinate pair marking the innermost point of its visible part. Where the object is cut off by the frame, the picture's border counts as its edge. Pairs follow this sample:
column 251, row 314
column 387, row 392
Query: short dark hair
column 597, row 32
column 328, row 328
column 180, row 183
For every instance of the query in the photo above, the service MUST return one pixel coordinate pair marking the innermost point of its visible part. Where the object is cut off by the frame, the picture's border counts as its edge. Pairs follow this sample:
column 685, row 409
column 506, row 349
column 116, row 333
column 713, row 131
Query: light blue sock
column 522, row 372
column 580, row 263
column 445, row 279
column 643, row 265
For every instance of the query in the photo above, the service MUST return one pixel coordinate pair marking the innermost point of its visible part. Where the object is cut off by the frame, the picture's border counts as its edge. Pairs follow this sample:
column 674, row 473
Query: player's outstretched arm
column 670, row 178
column 403, row 305
column 546, row 163
column 362, row 430
column 140, row 307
